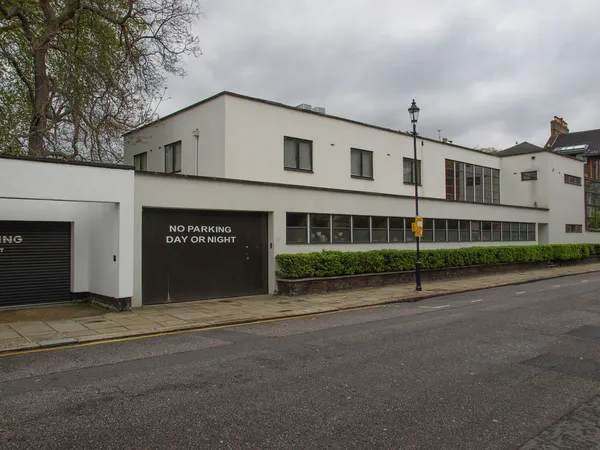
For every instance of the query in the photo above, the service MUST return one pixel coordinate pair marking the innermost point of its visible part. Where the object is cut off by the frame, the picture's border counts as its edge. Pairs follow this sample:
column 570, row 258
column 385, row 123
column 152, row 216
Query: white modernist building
column 225, row 185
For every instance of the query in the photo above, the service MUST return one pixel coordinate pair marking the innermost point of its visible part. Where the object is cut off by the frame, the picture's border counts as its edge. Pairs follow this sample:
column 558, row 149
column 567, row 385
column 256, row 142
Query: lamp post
column 414, row 117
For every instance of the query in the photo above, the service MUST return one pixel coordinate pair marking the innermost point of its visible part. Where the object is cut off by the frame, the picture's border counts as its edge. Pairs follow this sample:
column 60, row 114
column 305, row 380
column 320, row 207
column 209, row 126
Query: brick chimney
column 557, row 127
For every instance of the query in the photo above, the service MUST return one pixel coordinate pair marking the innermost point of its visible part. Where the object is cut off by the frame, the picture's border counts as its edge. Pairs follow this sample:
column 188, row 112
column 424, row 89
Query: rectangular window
column 571, row 179
column 460, row 181
column 573, row 228
column 522, row 231
column 514, row 231
column 486, row 231
column 452, row 230
column 396, row 229
column 440, row 230
column 531, row 231
column 427, row 230
column 410, row 235
column 380, row 229
column 450, row 184
column 465, row 230
column 173, row 157
column 592, row 205
column 361, row 228
column 297, row 154
column 496, row 231
column 475, row 230
column 319, row 228
column 296, row 228
column 529, row 176
column 479, row 184
column 496, row 186
column 342, row 229
column 470, row 182
column 361, row 163
column 487, row 185
column 140, row 161
column 409, row 172
column 506, row 231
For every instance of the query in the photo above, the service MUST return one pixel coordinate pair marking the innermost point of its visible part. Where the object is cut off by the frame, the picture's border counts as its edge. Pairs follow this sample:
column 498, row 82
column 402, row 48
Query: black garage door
column 194, row 255
column 35, row 262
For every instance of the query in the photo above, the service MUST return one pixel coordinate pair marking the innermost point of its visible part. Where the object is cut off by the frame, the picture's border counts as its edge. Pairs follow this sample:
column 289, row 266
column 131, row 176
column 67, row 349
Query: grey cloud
column 489, row 73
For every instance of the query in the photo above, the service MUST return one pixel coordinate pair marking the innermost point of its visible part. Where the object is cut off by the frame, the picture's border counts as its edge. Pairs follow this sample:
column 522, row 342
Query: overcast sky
column 487, row 72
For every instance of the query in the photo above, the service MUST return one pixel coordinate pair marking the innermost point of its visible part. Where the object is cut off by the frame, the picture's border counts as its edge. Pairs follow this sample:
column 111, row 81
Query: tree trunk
column 41, row 99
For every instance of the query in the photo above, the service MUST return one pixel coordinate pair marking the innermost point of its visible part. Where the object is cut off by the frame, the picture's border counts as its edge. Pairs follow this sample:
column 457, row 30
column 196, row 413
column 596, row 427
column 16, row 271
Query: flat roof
column 69, row 162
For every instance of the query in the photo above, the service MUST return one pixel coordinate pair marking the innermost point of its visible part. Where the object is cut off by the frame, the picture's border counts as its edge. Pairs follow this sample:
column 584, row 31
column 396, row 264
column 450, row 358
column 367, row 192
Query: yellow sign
column 417, row 227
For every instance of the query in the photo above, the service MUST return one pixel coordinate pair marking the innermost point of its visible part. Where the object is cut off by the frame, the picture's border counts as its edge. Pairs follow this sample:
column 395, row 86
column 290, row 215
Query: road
column 505, row 368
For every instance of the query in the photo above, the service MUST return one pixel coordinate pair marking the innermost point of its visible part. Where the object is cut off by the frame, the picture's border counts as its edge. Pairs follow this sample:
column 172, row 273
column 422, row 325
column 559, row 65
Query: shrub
column 334, row 263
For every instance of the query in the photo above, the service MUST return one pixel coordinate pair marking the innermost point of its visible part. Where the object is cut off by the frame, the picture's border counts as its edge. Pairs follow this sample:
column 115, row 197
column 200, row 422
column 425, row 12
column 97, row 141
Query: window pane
column 496, row 231
column 487, row 185
column 496, row 186
column 305, row 155
column 523, row 232
column 514, row 231
column 452, row 230
column 506, row 231
column 289, row 154
column 341, row 229
column 450, row 180
column 529, row 176
column 478, row 184
column 177, row 157
column 379, row 229
column 476, row 231
column 465, row 230
column 319, row 227
column 361, row 228
column 407, row 170
column 396, row 229
column 486, row 231
column 367, row 164
column 410, row 235
column 531, row 231
column 460, row 184
column 296, row 228
column 470, row 194
column 355, row 163
column 440, row 230
column 427, row 230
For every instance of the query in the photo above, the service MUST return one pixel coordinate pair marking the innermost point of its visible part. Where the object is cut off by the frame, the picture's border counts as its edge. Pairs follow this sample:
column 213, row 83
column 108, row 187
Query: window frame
column 413, row 167
column 297, row 142
column 362, row 152
column 572, row 180
column 529, row 175
column 144, row 158
column 306, row 228
column 174, row 156
column 573, row 228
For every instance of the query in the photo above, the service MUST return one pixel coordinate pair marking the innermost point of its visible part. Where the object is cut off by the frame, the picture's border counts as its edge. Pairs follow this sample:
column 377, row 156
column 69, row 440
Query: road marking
column 584, row 281
column 476, row 301
column 556, row 285
column 519, row 293
column 434, row 307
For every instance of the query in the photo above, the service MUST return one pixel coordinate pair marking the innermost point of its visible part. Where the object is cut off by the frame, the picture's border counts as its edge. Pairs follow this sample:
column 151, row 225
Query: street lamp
column 414, row 117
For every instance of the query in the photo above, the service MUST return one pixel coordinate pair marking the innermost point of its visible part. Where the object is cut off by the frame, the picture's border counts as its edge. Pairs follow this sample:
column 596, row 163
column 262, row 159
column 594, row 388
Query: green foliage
column 333, row 263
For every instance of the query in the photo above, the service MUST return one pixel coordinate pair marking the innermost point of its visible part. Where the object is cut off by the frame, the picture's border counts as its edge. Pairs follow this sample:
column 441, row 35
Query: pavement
column 502, row 368
column 29, row 328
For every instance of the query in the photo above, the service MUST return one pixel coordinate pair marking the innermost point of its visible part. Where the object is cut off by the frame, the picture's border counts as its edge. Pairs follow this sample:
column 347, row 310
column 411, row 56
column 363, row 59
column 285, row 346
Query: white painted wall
column 524, row 193
column 194, row 193
column 208, row 118
column 99, row 203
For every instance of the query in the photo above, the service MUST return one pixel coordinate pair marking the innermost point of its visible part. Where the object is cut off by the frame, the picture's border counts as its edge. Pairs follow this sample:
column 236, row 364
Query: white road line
column 519, row 293
column 434, row 307
column 478, row 300
column 584, row 281
column 556, row 285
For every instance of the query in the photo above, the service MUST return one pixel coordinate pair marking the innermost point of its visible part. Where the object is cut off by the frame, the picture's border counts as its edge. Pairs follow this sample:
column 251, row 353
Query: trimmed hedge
column 334, row 263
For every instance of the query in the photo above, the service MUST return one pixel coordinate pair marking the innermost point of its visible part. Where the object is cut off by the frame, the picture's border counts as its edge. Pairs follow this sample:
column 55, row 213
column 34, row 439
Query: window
column 342, row 229
column 487, row 185
column 475, row 231
column 592, row 205
column 396, row 229
column 380, row 229
column 296, row 228
column 465, row 230
column 427, row 230
column 506, row 231
column 409, row 172
column 450, row 191
column 361, row 163
column 460, row 181
column 297, row 154
column 319, row 228
column 361, row 227
column 522, row 231
column 514, row 231
column 496, row 231
column 479, row 184
column 173, row 157
column 531, row 231
column 496, row 186
column 573, row 228
column 486, row 233
column 452, row 230
column 440, row 230
column 529, row 176
column 571, row 179
column 470, row 190
column 410, row 234
column 140, row 161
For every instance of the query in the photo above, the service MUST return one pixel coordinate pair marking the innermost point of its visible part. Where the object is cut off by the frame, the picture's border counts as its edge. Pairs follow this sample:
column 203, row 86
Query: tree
column 487, row 149
column 76, row 74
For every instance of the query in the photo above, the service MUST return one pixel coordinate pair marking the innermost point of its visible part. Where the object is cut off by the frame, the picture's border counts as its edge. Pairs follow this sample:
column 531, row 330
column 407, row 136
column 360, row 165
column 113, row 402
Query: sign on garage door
column 35, row 262
column 198, row 254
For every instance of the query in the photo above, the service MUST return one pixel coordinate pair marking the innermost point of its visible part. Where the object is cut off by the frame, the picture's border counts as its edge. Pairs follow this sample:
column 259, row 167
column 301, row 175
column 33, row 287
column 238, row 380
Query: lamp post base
column 418, row 274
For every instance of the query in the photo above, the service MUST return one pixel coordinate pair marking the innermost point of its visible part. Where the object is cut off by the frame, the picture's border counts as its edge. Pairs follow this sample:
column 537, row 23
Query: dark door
column 35, row 262
column 198, row 254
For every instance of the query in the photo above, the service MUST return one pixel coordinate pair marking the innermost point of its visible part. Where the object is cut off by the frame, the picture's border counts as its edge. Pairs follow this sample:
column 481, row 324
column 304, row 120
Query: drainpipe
column 196, row 134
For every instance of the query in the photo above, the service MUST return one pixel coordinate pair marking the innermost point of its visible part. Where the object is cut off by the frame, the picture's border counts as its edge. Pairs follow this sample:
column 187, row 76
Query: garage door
column 193, row 255
column 35, row 262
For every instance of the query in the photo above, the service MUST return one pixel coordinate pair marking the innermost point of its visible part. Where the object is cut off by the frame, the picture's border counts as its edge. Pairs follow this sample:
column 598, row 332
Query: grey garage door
column 198, row 254
column 35, row 262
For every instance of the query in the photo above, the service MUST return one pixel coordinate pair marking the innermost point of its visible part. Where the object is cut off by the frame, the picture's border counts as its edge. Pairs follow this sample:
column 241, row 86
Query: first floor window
column 452, row 230
column 173, row 157
column 569, row 228
column 440, row 230
column 486, row 231
column 531, row 231
column 409, row 171
column 361, row 227
column 496, row 231
column 571, row 179
column 427, row 230
column 475, row 230
column 361, row 163
column 296, row 228
column 514, row 231
column 297, row 154
column 319, row 228
column 140, row 161
column 465, row 230
column 396, row 229
column 506, row 231
column 342, row 229
column 380, row 229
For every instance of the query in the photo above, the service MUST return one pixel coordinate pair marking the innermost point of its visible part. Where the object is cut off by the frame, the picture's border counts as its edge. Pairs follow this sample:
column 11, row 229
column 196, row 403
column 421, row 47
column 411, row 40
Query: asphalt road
column 503, row 368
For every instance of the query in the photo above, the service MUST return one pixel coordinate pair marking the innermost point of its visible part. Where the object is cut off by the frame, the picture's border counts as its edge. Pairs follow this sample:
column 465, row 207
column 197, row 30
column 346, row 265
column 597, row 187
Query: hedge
column 334, row 263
